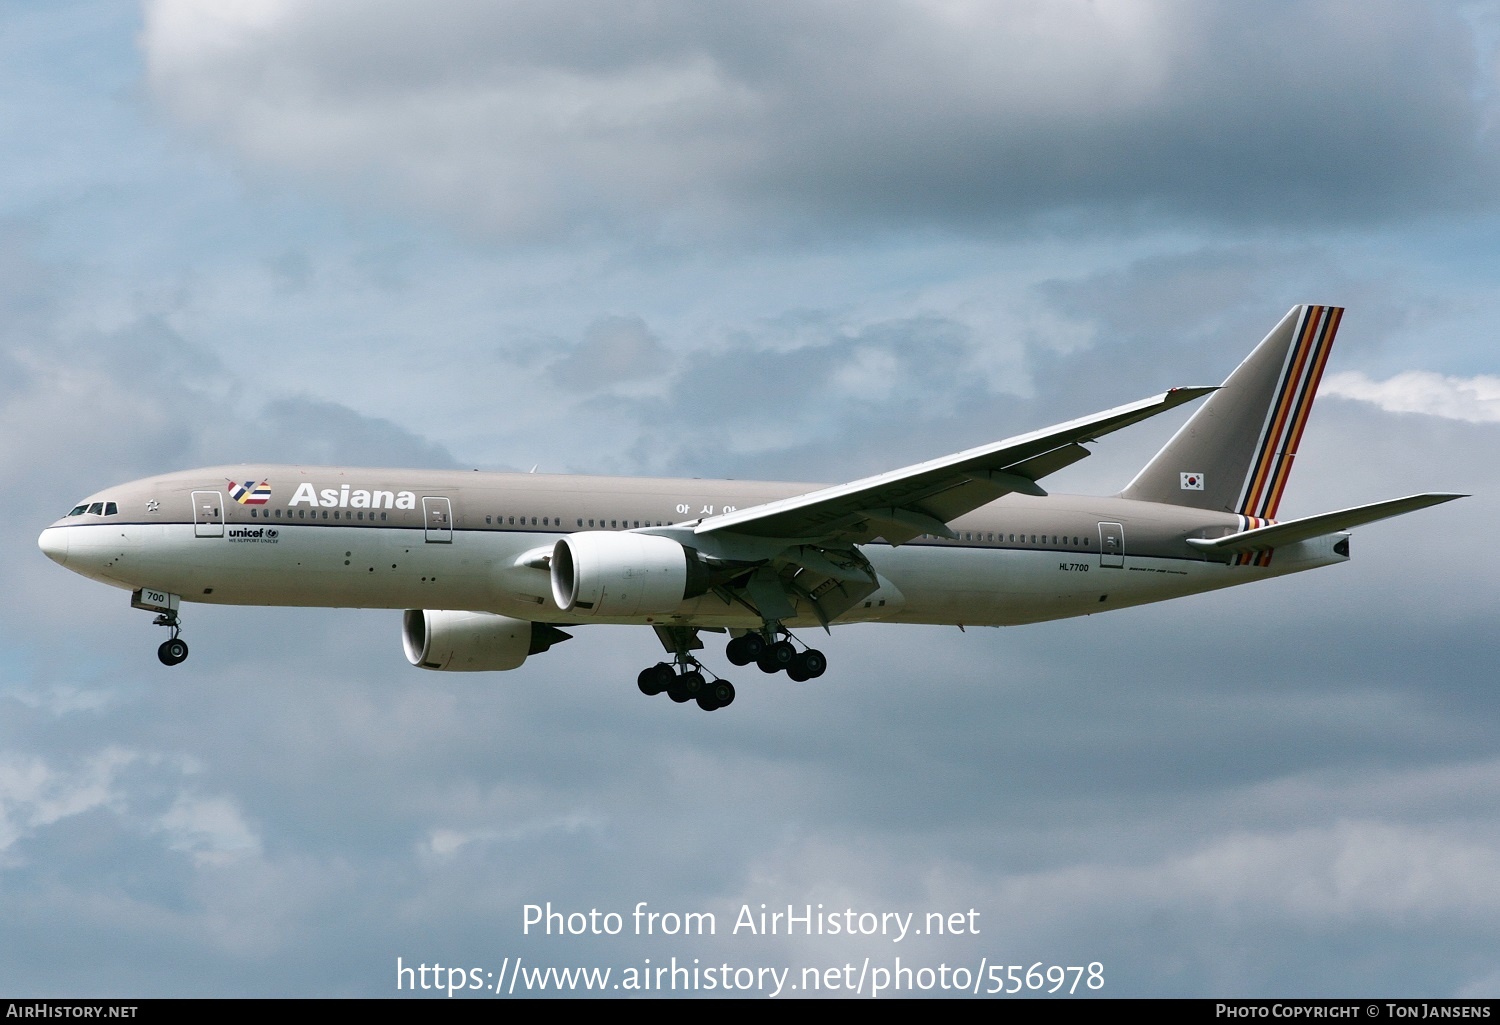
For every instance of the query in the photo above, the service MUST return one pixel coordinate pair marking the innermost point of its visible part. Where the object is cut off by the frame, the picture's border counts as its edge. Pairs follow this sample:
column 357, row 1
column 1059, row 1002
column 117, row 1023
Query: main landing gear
column 683, row 679
column 174, row 649
column 777, row 656
column 685, row 682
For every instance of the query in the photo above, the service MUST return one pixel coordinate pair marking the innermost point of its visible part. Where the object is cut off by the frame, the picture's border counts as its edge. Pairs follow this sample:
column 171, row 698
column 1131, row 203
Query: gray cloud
column 295, row 806
column 614, row 351
column 682, row 121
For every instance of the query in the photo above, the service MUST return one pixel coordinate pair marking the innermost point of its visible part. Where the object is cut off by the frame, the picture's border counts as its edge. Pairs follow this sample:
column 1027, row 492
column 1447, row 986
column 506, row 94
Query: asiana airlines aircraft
column 491, row 567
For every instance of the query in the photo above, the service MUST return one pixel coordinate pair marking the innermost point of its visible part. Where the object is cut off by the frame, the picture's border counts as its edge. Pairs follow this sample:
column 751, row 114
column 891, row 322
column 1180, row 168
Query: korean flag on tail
column 1192, row 481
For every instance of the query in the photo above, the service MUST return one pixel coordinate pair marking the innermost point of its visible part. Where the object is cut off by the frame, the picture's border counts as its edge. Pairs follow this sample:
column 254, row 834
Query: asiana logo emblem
column 345, row 497
column 250, row 493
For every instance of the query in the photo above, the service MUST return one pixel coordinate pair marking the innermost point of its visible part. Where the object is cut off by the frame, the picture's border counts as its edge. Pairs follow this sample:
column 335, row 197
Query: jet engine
column 603, row 573
column 465, row 642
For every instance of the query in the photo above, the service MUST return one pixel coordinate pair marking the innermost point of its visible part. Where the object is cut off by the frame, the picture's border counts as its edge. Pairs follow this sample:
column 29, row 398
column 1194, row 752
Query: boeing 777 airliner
column 490, row 567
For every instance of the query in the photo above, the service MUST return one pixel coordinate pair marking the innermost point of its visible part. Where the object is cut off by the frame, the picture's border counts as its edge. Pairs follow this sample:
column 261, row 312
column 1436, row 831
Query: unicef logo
column 272, row 533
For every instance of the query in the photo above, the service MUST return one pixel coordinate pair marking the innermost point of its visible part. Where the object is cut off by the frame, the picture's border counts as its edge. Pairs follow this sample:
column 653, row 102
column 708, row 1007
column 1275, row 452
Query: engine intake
column 469, row 642
column 602, row 573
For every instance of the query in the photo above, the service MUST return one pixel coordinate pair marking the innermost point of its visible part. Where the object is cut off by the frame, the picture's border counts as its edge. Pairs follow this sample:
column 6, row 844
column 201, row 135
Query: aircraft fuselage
column 358, row 538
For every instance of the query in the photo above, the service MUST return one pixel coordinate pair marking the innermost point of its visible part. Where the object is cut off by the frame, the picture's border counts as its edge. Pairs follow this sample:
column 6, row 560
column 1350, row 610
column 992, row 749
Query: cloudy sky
column 803, row 241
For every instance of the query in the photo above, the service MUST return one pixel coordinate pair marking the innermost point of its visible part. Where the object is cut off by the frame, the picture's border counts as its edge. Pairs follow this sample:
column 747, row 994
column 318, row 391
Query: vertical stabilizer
column 1236, row 452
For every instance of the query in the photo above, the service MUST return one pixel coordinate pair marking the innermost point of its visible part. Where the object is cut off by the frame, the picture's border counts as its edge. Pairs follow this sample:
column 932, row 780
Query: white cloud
column 211, row 829
column 34, row 793
column 443, row 843
column 1475, row 399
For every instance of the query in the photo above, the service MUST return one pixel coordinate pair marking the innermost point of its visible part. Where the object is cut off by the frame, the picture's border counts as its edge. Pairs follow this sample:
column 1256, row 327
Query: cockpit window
column 96, row 509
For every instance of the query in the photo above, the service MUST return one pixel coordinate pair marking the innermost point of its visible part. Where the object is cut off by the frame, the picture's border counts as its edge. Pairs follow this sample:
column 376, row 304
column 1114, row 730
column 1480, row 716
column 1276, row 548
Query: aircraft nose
column 54, row 543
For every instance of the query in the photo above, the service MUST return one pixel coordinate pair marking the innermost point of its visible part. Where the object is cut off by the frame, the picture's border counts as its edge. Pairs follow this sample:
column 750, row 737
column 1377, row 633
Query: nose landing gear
column 174, row 649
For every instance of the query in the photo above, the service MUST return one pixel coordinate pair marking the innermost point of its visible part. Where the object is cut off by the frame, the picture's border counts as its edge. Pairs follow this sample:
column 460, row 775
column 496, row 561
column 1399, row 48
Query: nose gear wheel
column 174, row 650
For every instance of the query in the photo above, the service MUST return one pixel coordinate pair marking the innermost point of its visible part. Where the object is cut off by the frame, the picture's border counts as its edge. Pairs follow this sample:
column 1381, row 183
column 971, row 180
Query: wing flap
column 1038, row 467
column 1261, row 538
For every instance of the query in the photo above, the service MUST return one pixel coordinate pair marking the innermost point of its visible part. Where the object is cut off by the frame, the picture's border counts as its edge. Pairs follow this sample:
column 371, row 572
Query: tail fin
column 1236, row 452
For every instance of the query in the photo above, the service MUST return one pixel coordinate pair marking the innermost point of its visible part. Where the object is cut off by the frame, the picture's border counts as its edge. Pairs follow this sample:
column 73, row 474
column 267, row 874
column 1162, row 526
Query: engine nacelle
column 603, row 573
column 470, row 642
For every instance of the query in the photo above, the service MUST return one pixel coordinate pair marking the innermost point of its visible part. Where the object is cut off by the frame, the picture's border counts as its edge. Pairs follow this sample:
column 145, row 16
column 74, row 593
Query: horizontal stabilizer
column 1261, row 538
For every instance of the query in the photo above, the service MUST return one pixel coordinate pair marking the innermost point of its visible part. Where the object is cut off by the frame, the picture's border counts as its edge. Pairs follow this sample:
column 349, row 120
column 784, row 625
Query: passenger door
column 437, row 516
column 1111, row 546
column 208, row 514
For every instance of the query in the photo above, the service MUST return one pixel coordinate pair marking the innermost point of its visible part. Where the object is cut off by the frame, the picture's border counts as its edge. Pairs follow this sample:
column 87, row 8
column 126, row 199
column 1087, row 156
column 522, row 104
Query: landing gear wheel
column 812, row 664
column 655, row 679
column 172, row 652
column 738, row 650
column 175, row 649
column 745, row 649
column 686, row 687
column 716, row 695
column 796, row 672
column 782, row 654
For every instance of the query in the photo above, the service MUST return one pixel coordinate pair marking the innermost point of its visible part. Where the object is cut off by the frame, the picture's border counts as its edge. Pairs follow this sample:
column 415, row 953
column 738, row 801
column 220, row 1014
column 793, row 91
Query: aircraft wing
column 921, row 499
column 1261, row 538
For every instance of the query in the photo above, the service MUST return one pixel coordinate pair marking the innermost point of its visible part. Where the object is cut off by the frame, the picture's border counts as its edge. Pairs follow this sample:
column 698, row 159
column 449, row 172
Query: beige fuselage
column 423, row 539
